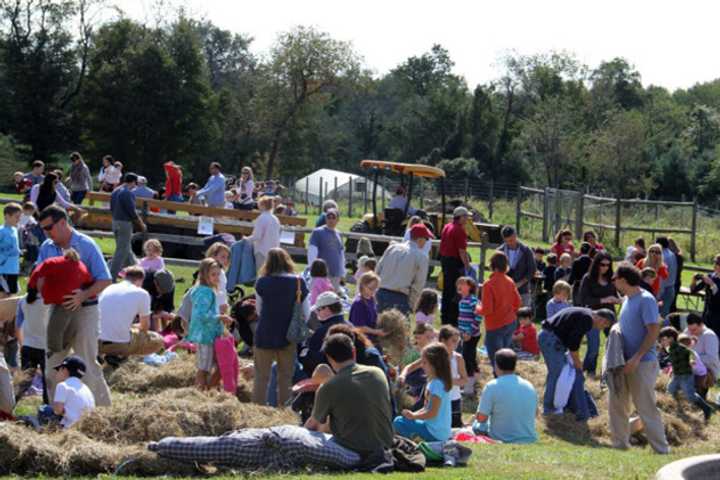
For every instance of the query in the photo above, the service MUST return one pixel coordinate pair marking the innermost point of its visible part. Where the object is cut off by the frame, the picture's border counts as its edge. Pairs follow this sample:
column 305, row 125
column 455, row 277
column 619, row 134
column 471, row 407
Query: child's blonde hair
column 206, row 265
column 366, row 279
column 685, row 339
column 216, row 248
column 564, row 257
column 153, row 245
column 649, row 273
column 561, row 286
column 71, row 254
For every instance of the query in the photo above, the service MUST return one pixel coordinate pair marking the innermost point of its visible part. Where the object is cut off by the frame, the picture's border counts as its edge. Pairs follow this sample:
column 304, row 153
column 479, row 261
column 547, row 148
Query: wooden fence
column 566, row 208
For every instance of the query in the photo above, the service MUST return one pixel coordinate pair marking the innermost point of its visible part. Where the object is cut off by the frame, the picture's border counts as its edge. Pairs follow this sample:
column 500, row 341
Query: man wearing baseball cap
column 329, row 311
column 455, row 261
column 521, row 262
column 142, row 190
column 72, row 397
column 403, row 270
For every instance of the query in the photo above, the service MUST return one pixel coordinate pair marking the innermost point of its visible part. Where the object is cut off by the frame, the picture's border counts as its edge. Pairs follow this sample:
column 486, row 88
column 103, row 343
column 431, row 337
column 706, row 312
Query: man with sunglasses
column 639, row 324
column 83, row 330
column 326, row 244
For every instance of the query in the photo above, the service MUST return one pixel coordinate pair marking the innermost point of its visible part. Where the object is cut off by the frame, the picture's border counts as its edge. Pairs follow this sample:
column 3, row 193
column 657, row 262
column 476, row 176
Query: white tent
column 322, row 184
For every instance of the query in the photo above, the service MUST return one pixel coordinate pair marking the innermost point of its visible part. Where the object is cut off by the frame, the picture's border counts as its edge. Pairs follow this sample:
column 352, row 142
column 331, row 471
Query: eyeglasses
column 49, row 227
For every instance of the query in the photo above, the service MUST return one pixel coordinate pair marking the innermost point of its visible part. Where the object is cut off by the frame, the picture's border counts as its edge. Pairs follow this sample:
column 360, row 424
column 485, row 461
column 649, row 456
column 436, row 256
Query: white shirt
column 35, row 320
column 35, row 192
column 119, row 304
column 26, row 220
column 707, row 348
column 110, row 175
column 221, row 296
column 266, row 234
column 246, row 188
column 455, row 390
column 77, row 399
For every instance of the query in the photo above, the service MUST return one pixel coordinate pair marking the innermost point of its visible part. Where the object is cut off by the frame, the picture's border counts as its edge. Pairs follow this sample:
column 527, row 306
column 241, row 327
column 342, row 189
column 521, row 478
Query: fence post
column 365, row 196
column 481, row 264
column 491, row 200
column 384, row 189
column 546, row 212
column 518, row 210
column 350, row 198
column 421, row 189
column 579, row 216
column 320, row 196
column 335, row 191
column 693, row 235
column 307, row 193
column 618, row 220
column 467, row 187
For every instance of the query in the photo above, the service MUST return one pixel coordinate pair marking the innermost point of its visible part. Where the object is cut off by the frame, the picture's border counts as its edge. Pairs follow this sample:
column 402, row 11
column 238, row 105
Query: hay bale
column 396, row 339
column 134, row 376
column 177, row 412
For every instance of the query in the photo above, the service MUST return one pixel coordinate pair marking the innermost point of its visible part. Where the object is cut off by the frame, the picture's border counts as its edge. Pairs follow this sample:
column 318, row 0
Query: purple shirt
column 363, row 312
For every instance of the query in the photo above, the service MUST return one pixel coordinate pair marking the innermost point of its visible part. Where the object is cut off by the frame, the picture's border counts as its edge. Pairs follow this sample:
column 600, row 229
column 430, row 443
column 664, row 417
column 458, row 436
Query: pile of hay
column 683, row 422
column 177, row 412
column 112, row 437
column 134, row 376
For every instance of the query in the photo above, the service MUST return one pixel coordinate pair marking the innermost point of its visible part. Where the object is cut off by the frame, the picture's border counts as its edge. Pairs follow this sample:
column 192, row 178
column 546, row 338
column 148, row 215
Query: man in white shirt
column 72, row 397
column 120, row 304
column 266, row 234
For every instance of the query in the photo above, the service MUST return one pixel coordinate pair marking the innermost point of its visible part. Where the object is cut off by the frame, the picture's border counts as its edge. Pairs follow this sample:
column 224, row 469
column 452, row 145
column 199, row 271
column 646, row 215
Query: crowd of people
column 304, row 327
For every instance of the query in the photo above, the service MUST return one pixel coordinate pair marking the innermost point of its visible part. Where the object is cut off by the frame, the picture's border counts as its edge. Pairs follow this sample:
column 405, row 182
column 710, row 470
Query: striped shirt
column 468, row 320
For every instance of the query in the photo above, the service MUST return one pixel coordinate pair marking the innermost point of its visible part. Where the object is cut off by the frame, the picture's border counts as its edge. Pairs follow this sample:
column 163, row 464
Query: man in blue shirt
column 82, row 333
column 124, row 215
column 508, row 404
column 667, row 289
column 214, row 190
column 142, row 190
column 640, row 328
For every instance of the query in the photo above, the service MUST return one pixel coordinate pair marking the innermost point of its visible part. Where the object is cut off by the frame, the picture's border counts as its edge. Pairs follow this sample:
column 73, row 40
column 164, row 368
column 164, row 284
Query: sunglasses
column 49, row 227
column 330, row 216
column 604, row 264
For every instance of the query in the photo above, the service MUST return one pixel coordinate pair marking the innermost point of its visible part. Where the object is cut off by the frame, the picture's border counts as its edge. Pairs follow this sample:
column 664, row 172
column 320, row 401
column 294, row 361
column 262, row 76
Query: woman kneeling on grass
column 206, row 322
column 432, row 422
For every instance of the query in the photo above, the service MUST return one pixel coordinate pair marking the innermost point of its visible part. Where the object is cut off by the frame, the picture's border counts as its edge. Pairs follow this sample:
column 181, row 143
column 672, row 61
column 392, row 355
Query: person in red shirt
column 455, row 262
column 525, row 336
column 499, row 305
column 56, row 278
column 654, row 260
column 563, row 244
column 173, row 182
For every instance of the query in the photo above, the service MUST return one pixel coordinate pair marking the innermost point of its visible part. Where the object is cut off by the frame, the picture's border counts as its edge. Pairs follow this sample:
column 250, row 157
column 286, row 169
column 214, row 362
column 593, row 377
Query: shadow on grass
column 566, row 428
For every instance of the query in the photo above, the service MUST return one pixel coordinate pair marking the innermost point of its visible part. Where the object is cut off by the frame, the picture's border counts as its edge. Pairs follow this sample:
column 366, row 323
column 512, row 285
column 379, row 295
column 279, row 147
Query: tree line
column 184, row 89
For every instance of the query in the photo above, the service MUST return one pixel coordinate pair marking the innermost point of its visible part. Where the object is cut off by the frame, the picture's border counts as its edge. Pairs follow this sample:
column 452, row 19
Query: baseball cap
column 420, row 231
column 75, row 365
column 326, row 299
column 460, row 212
column 142, row 180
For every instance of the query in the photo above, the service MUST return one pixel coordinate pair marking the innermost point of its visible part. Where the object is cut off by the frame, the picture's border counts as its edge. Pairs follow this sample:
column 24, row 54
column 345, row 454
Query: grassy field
column 560, row 453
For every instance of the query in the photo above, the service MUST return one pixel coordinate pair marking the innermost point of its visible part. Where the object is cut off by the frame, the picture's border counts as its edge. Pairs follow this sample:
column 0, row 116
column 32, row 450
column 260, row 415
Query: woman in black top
column 597, row 291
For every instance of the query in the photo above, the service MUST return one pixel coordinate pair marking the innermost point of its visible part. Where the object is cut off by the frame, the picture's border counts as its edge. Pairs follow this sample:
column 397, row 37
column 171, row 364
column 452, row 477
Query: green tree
column 305, row 66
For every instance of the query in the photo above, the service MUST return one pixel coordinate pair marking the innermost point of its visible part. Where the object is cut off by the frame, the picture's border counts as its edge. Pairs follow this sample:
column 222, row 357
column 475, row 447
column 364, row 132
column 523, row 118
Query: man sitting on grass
column 508, row 404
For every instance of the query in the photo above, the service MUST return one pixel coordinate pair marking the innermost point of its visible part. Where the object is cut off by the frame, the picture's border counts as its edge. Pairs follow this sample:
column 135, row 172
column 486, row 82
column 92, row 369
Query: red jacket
column 62, row 277
column 173, row 182
column 500, row 301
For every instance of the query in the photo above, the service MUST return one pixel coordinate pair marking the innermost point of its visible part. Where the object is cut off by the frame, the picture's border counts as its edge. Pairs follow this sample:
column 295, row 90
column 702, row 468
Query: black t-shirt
column 570, row 325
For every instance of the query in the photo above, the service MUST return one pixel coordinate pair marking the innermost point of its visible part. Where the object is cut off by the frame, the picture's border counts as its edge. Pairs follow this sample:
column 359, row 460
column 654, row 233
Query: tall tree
column 305, row 66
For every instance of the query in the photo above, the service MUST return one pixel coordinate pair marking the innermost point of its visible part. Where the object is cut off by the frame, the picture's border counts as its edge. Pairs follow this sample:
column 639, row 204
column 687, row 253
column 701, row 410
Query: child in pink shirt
column 319, row 281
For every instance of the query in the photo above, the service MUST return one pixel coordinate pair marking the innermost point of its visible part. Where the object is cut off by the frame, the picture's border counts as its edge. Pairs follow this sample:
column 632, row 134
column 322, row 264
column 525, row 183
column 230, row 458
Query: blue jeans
column 593, row 349
column 555, row 355
column 413, row 428
column 299, row 374
column 498, row 339
column 686, row 384
column 388, row 299
column 78, row 197
column 667, row 295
